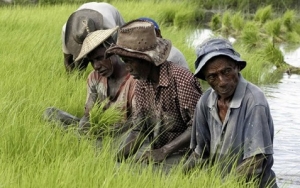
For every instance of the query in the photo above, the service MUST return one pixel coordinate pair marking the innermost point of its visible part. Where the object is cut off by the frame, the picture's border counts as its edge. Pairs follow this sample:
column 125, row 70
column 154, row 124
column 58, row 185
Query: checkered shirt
column 165, row 112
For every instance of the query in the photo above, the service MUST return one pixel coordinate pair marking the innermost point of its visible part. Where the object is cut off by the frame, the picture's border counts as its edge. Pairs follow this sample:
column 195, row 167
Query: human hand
column 191, row 162
column 84, row 124
column 156, row 155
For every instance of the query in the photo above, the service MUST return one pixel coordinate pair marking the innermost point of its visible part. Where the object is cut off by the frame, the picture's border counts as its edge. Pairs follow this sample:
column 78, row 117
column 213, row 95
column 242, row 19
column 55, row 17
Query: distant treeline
column 247, row 6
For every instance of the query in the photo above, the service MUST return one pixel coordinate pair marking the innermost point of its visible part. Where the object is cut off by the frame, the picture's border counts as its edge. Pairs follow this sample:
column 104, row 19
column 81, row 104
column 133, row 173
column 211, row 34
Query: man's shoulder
column 255, row 96
column 180, row 72
column 177, row 57
column 255, row 92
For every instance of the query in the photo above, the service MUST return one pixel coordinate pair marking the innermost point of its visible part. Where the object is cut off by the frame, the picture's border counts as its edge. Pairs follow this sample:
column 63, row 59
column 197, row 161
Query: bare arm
column 158, row 155
column 180, row 142
column 132, row 143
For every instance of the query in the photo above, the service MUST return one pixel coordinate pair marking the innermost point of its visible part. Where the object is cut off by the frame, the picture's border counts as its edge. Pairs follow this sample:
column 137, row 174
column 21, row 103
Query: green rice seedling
column 184, row 19
column 226, row 23
column 103, row 118
column 273, row 55
column 250, row 35
column 292, row 37
column 296, row 27
column 167, row 16
column 200, row 16
column 273, row 29
column 215, row 22
column 255, row 62
column 289, row 20
column 263, row 14
column 237, row 23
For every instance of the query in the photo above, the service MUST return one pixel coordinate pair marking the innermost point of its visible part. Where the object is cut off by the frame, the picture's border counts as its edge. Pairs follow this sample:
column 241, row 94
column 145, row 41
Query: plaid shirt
column 167, row 111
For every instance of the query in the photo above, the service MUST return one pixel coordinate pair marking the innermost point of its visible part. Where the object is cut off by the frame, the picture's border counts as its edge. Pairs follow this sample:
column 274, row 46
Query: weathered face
column 221, row 73
column 138, row 68
column 103, row 66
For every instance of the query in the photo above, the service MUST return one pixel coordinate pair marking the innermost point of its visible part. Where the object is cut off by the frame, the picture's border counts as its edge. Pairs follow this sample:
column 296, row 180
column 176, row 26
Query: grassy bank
column 34, row 153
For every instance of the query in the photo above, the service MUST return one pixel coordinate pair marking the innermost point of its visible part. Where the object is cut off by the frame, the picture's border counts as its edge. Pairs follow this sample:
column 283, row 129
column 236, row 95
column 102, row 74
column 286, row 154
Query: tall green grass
column 35, row 153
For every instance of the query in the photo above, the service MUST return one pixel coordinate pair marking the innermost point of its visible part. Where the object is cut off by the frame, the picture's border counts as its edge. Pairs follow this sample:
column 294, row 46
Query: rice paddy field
column 35, row 153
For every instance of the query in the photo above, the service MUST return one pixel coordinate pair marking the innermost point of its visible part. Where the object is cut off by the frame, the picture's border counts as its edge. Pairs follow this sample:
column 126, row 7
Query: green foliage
column 226, row 23
column 237, row 22
column 167, row 16
column 263, row 14
column 103, row 118
column 273, row 29
column 226, row 17
column 215, row 23
column 250, row 35
column 273, row 55
column 289, row 19
column 296, row 28
column 186, row 18
column 292, row 37
column 245, row 6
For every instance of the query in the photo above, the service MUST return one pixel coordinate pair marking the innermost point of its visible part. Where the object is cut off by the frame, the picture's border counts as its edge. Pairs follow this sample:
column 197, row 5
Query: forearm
column 194, row 160
column 178, row 143
column 131, row 144
column 120, row 128
column 90, row 102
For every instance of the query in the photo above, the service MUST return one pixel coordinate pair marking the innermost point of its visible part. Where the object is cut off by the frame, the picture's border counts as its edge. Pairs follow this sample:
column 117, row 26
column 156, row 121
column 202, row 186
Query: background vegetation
column 34, row 153
column 242, row 5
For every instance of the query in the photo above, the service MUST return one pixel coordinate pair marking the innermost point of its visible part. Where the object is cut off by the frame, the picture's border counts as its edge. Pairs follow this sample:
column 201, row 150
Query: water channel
column 284, row 102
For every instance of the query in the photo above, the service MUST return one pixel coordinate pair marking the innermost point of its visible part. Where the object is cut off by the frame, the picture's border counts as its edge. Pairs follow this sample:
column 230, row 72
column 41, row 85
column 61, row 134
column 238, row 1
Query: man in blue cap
column 232, row 124
column 175, row 55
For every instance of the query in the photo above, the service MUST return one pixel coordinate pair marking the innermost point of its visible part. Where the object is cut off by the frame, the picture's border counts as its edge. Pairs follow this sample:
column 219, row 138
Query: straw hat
column 137, row 39
column 93, row 40
column 213, row 47
column 76, row 28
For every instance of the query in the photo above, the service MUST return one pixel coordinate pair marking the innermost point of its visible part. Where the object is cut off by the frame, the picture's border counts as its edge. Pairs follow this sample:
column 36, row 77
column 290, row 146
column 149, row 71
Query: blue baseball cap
column 215, row 47
column 150, row 20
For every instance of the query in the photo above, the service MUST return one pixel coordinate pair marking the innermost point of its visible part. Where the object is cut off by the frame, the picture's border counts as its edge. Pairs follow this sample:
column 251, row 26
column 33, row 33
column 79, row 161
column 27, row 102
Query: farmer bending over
column 96, row 16
column 109, row 80
column 166, row 94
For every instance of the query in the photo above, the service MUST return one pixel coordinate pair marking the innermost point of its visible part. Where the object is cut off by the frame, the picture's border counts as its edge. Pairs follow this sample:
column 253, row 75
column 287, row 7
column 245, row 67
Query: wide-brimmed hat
column 215, row 47
column 137, row 39
column 77, row 27
column 93, row 40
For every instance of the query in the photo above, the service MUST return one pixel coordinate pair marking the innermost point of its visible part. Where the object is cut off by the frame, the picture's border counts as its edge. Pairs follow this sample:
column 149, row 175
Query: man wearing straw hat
column 232, row 126
column 96, row 16
column 109, row 81
column 166, row 94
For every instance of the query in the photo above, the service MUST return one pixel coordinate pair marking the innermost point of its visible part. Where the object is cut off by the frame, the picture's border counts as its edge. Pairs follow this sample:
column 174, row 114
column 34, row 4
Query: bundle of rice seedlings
column 102, row 119
column 263, row 14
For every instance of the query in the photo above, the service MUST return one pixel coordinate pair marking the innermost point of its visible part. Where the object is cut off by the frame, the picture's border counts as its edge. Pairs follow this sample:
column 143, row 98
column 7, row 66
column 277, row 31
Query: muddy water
column 284, row 101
